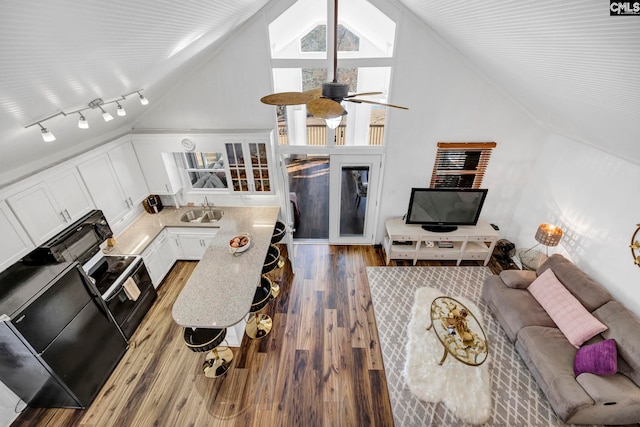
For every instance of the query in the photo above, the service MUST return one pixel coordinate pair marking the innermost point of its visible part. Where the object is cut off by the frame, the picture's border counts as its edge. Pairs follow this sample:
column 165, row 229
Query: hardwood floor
column 321, row 364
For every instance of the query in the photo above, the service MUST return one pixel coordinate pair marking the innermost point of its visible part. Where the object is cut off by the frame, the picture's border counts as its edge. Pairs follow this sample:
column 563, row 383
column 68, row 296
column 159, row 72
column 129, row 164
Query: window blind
column 461, row 164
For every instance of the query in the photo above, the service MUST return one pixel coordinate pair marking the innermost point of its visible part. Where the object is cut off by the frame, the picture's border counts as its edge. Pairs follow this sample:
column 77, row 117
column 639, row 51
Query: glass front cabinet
column 249, row 167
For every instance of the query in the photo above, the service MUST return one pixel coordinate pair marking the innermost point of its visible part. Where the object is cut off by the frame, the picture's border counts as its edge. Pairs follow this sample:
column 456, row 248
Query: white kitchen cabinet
column 125, row 163
column 115, row 181
column 102, row 182
column 159, row 169
column 193, row 242
column 50, row 206
column 167, row 250
column 15, row 241
column 153, row 264
column 160, row 256
column 249, row 167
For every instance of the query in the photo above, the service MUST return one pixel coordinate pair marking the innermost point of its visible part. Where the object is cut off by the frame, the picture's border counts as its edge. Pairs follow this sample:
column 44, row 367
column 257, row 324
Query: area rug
column 464, row 390
column 516, row 399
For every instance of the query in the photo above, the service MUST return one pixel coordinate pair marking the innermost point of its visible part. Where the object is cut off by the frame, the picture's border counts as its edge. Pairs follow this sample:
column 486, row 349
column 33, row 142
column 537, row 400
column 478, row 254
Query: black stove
column 108, row 270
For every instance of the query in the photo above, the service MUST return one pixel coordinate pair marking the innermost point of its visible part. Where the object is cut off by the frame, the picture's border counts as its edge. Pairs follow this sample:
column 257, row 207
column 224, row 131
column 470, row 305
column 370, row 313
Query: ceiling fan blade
column 288, row 98
column 358, row 101
column 363, row 94
column 325, row 108
column 316, row 93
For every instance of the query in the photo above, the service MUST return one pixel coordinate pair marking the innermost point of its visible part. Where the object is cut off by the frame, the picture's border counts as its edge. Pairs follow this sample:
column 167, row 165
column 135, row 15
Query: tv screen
column 444, row 209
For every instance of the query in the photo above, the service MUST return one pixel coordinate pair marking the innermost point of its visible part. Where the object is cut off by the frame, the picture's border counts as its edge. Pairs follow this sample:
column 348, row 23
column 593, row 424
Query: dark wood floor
column 320, row 366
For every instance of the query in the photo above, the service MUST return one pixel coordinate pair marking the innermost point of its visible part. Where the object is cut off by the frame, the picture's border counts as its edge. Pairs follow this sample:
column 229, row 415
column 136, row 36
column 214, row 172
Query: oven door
column 129, row 313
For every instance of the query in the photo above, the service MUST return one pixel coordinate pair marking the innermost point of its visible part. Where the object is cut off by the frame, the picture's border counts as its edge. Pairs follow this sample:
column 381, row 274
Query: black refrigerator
column 58, row 341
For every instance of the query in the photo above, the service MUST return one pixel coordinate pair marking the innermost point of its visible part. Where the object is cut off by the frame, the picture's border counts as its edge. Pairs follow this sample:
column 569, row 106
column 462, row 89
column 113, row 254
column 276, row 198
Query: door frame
column 337, row 162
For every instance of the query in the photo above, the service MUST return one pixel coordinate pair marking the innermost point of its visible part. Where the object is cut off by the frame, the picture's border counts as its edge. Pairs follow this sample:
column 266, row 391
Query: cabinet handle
column 130, row 201
column 167, row 187
column 68, row 216
column 126, row 202
column 64, row 218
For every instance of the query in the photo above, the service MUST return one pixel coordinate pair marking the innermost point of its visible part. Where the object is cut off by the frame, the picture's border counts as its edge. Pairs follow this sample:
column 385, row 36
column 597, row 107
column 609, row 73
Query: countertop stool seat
column 272, row 261
column 261, row 324
column 218, row 360
column 279, row 231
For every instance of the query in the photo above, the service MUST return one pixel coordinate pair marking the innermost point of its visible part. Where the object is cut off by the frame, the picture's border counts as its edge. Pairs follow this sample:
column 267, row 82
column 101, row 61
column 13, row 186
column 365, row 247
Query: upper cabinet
column 159, row 169
column 249, row 167
column 15, row 242
column 115, row 181
column 125, row 164
column 51, row 205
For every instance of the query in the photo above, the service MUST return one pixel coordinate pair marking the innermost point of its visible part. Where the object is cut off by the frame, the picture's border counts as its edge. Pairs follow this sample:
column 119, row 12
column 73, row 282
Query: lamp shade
column 548, row 235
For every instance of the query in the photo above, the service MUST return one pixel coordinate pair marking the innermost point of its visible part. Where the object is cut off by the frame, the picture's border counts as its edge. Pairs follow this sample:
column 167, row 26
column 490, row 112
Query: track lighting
column 121, row 112
column 143, row 100
column 97, row 103
column 47, row 136
column 82, row 122
column 105, row 114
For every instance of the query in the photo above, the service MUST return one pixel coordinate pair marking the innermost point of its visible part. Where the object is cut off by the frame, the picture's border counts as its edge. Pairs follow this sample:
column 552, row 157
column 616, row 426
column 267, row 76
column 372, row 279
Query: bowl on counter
column 239, row 243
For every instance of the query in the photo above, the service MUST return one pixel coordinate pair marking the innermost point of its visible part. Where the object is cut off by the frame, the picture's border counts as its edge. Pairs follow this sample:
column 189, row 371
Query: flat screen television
column 444, row 209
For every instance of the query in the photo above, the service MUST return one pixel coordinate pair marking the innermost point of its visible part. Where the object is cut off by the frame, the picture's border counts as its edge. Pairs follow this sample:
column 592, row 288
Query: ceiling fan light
column 333, row 122
column 121, row 111
column 82, row 122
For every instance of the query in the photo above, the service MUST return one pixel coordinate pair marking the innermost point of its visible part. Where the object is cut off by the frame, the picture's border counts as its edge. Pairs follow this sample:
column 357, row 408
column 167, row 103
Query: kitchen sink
column 202, row 215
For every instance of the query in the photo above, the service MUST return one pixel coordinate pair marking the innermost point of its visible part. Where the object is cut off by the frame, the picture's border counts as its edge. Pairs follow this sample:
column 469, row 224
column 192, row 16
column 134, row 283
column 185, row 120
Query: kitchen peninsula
column 220, row 290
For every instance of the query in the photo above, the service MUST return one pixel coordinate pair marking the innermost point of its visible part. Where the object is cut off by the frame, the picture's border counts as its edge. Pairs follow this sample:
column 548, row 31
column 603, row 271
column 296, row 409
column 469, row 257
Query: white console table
column 412, row 242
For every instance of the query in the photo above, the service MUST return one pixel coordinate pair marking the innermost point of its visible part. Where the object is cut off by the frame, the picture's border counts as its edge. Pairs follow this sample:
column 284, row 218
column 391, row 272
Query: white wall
column 591, row 195
column 450, row 101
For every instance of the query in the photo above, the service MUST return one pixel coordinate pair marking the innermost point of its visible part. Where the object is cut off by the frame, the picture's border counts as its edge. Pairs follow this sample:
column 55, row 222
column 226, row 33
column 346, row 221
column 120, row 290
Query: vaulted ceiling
column 571, row 65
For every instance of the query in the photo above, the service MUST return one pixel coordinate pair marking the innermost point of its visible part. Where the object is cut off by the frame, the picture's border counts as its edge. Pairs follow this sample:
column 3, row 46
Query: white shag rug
column 464, row 390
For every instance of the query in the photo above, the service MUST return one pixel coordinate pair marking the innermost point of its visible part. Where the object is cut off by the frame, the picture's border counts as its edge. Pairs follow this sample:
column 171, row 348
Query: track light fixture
column 121, row 112
column 105, row 115
column 143, row 100
column 47, row 136
column 97, row 103
column 82, row 122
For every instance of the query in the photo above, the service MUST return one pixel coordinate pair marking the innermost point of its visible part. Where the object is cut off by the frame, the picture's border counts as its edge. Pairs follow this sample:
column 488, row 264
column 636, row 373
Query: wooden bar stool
column 261, row 324
column 218, row 360
column 272, row 261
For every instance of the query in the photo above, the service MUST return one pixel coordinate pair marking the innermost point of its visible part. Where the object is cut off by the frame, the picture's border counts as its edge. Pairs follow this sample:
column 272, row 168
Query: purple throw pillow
column 600, row 358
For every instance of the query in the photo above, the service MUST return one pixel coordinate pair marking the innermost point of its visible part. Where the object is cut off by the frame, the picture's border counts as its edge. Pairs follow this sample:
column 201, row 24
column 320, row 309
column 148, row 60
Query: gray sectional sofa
column 586, row 398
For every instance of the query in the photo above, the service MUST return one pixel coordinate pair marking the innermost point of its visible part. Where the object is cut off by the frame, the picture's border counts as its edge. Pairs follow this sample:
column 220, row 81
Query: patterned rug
column 517, row 399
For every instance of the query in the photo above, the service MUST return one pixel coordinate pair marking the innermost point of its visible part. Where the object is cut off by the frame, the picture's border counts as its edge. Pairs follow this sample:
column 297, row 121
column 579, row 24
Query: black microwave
column 78, row 242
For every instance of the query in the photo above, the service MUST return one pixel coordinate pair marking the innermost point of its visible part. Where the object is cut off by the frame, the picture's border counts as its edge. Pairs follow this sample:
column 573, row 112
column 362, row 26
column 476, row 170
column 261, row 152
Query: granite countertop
column 220, row 290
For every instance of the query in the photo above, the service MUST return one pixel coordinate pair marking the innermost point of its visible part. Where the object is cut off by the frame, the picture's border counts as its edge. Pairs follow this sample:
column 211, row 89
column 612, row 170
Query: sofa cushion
column 616, row 401
column 518, row 279
column 549, row 357
column 624, row 327
column 589, row 292
column 513, row 308
column 599, row 359
column 575, row 322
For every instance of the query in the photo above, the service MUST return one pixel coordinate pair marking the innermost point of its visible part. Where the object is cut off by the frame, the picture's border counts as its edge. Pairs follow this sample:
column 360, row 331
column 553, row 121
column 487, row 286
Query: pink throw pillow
column 575, row 322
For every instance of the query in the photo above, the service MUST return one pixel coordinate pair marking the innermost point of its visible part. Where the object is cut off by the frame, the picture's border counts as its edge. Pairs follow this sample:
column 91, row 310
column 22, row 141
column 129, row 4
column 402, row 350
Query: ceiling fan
column 325, row 102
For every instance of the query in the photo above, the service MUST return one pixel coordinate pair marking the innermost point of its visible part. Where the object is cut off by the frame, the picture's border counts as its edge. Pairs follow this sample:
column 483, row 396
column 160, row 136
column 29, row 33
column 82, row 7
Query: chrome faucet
column 206, row 203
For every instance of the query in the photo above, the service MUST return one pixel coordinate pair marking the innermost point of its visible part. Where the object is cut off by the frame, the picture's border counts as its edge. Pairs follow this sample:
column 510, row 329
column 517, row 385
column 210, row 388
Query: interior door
column 354, row 188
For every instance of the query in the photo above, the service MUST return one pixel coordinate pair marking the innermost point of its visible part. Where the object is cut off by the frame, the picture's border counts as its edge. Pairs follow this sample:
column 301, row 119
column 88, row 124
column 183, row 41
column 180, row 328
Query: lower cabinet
column 192, row 243
column 172, row 244
column 160, row 256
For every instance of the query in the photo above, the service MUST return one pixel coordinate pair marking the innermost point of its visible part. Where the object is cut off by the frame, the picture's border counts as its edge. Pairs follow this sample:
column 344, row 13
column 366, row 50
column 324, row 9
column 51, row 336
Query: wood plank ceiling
column 574, row 67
